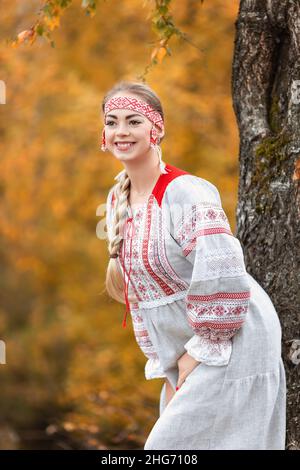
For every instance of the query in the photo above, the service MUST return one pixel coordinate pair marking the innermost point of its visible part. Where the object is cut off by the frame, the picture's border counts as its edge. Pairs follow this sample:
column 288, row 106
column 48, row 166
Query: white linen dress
column 186, row 269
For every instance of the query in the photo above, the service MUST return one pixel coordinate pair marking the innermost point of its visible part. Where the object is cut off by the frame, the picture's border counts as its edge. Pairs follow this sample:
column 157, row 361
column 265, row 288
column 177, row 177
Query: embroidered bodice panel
column 153, row 277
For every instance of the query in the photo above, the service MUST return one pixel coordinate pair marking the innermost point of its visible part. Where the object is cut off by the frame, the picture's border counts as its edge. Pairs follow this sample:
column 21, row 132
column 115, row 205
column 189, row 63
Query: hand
column 186, row 364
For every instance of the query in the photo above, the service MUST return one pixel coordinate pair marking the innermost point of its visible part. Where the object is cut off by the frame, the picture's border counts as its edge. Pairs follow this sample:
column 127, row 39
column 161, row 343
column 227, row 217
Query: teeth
column 124, row 145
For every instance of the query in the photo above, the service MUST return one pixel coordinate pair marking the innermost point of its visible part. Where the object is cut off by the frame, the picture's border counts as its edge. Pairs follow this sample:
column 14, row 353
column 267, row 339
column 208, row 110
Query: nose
column 122, row 129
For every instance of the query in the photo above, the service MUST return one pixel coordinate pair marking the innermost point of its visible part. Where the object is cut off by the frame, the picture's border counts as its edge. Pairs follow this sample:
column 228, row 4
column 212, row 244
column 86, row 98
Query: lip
column 124, row 149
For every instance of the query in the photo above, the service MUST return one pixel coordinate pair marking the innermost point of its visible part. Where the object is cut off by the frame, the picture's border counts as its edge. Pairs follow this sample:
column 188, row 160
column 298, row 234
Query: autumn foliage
column 72, row 370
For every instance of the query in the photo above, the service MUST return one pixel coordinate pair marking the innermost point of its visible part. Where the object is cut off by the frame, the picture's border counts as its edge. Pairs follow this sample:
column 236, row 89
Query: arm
column 218, row 296
column 186, row 364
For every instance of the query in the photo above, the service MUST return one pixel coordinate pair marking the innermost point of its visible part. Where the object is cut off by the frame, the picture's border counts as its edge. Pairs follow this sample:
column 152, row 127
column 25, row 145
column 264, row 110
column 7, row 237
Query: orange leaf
column 161, row 54
column 27, row 34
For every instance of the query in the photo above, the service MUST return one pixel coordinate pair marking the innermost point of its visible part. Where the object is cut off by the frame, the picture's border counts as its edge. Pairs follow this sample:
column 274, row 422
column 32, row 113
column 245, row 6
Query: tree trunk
column 266, row 100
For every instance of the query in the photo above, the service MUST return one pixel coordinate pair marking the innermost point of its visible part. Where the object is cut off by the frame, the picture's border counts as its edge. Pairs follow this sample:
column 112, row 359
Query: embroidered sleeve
column 218, row 296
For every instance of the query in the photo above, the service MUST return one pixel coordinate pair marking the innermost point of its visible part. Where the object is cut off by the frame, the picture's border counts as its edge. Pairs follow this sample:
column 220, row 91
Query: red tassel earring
column 103, row 143
column 153, row 136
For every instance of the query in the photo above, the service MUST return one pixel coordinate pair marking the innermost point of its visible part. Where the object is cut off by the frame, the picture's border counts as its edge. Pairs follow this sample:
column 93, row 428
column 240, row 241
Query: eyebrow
column 127, row 117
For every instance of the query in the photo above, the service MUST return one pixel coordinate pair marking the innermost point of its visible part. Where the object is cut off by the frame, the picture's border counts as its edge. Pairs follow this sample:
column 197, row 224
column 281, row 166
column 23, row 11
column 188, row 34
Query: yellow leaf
column 53, row 22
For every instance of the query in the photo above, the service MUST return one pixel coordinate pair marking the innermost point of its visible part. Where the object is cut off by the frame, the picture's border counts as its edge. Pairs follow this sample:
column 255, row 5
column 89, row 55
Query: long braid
column 115, row 287
column 122, row 190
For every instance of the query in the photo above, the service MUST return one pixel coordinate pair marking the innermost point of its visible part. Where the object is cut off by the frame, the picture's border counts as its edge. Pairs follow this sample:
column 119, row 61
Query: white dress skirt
column 238, row 406
column 186, row 269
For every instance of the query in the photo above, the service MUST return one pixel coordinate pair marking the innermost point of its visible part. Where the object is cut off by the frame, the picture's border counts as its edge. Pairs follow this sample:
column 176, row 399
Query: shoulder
column 191, row 189
column 179, row 186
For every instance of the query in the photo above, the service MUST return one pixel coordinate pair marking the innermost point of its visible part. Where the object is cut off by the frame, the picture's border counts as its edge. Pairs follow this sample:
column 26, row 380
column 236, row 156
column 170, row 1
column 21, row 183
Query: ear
column 160, row 133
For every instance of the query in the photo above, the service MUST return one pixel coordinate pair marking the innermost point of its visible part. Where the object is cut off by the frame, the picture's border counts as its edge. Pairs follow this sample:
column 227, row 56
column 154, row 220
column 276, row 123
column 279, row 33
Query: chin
column 127, row 156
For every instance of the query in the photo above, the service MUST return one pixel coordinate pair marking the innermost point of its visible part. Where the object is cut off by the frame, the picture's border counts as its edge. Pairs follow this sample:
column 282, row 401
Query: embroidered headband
column 125, row 102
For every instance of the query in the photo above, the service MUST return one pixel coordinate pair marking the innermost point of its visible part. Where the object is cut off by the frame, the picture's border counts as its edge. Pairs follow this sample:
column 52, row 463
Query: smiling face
column 127, row 132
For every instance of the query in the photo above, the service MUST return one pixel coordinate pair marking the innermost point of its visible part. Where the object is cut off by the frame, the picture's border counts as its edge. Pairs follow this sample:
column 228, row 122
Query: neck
column 143, row 174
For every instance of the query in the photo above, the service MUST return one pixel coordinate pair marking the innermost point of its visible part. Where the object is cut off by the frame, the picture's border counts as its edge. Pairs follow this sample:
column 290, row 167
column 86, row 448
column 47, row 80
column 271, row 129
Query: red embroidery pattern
column 167, row 290
column 161, row 260
column 205, row 218
column 142, row 336
column 136, row 105
column 152, row 277
column 217, row 316
column 210, row 231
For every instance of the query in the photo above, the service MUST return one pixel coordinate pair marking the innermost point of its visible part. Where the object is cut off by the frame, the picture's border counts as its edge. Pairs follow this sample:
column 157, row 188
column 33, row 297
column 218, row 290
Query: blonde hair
column 114, row 281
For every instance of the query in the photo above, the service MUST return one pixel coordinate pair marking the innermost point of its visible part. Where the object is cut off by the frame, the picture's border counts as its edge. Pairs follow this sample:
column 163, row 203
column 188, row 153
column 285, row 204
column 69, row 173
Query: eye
column 133, row 121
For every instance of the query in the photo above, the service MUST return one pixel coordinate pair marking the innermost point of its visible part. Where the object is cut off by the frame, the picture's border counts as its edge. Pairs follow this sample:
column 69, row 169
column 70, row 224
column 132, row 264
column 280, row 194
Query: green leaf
column 48, row 10
column 40, row 30
column 64, row 3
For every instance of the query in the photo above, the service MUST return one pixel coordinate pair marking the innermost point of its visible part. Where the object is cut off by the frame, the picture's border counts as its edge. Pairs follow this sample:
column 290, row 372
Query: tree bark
column 266, row 101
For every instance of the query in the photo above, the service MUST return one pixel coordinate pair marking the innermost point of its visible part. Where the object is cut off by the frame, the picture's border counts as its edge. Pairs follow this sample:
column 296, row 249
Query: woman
column 202, row 321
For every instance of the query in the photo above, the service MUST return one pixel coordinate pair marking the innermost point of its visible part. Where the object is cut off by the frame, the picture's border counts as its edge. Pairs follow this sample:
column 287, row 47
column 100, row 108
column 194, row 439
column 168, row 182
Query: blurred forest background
column 74, row 378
